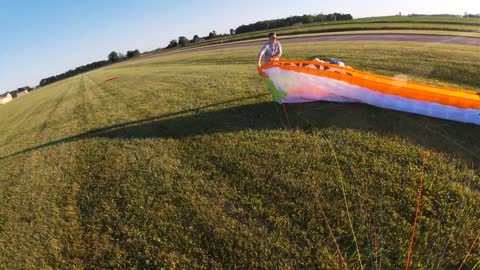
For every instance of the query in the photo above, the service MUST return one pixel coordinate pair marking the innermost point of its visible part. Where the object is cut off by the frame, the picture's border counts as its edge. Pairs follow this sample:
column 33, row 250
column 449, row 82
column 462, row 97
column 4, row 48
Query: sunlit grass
column 185, row 162
column 420, row 24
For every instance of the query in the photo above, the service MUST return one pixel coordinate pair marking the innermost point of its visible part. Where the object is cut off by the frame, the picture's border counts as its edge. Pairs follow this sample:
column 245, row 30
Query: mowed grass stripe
column 33, row 117
column 393, row 23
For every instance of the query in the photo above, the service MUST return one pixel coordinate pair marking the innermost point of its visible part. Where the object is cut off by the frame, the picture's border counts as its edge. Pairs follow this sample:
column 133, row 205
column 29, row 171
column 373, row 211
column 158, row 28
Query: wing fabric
column 307, row 81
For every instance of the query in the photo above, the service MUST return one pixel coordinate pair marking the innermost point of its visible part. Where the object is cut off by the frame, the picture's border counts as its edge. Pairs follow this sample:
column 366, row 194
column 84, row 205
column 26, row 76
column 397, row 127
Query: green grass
column 185, row 162
column 422, row 19
column 423, row 24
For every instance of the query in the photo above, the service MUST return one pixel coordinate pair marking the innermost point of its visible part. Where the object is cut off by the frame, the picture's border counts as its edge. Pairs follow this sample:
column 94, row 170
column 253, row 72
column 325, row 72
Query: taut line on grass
column 286, row 115
column 438, row 230
column 343, row 189
column 279, row 113
column 461, row 207
column 345, row 200
column 419, row 198
column 476, row 265
column 469, row 252
column 381, row 228
column 319, row 202
column 364, row 208
column 455, row 142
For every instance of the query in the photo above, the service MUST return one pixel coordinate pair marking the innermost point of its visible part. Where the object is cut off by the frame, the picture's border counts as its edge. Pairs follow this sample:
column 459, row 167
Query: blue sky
column 43, row 38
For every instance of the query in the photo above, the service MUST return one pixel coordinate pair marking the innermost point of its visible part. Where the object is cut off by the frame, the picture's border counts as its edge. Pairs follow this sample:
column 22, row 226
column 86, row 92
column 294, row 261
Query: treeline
column 184, row 41
column 74, row 72
column 262, row 25
column 468, row 15
column 293, row 20
column 113, row 57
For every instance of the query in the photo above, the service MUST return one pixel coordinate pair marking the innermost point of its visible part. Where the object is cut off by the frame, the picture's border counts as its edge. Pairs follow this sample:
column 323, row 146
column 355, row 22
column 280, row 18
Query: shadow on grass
column 455, row 138
column 441, row 135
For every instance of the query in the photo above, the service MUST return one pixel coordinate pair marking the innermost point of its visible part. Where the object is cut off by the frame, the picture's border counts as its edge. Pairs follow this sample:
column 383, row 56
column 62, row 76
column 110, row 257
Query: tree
column 196, row 38
column 173, row 44
column 263, row 25
column 244, row 29
column 320, row 18
column 113, row 57
column 232, row 32
column 183, row 41
column 306, row 19
column 212, row 34
column 131, row 54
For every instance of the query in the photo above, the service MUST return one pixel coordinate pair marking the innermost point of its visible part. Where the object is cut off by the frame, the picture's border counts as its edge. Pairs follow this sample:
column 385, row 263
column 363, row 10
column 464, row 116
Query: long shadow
column 459, row 139
column 154, row 127
column 446, row 136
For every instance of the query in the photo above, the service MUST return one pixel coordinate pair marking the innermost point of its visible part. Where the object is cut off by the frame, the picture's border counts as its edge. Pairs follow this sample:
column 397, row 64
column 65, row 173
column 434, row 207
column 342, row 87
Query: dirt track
column 383, row 37
column 387, row 37
column 380, row 37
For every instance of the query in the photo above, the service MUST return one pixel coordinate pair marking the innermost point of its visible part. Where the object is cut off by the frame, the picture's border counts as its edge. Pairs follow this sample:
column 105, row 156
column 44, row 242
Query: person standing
column 272, row 50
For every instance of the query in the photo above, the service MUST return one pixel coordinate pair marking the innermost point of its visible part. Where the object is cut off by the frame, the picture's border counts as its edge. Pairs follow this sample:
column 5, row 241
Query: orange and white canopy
column 305, row 81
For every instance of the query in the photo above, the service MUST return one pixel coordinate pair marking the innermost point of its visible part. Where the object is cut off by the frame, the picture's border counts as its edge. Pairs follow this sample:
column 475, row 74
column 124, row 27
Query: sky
column 39, row 39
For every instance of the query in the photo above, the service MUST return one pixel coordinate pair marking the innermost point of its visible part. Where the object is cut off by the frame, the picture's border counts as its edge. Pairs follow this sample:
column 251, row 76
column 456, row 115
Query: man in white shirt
column 272, row 50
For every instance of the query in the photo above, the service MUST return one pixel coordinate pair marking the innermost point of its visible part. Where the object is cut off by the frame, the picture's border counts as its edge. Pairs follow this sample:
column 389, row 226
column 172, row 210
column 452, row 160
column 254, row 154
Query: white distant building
column 5, row 98
column 23, row 92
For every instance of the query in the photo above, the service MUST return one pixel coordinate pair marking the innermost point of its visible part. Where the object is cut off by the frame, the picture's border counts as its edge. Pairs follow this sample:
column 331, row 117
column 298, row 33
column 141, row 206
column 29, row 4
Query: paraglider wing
column 306, row 81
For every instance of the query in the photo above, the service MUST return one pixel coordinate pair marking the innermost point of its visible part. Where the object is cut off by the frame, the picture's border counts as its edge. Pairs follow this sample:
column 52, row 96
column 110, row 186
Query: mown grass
column 422, row 19
column 185, row 162
column 426, row 24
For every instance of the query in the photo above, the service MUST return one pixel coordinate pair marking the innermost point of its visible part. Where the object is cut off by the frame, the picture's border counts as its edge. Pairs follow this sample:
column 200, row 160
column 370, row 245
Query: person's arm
column 259, row 57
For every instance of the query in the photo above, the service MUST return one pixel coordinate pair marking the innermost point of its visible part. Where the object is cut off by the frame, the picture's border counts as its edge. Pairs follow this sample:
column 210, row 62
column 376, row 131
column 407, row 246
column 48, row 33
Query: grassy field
column 422, row 19
column 420, row 24
column 185, row 162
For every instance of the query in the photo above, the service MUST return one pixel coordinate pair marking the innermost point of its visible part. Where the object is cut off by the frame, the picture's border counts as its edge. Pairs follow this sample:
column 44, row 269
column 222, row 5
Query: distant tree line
column 113, row 57
column 131, row 54
column 184, row 41
column 74, row 72
column 467, row 15
column 262, row 25
column 293, row 20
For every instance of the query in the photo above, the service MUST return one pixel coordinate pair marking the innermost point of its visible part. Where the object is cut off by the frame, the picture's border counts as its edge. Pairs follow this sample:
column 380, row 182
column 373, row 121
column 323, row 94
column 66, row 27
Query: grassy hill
column 185, row 162
column 444, row 25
